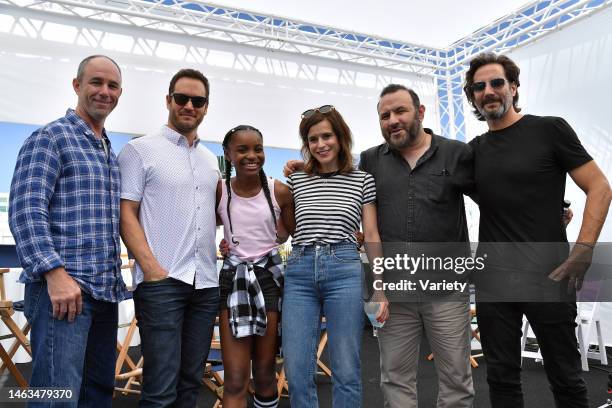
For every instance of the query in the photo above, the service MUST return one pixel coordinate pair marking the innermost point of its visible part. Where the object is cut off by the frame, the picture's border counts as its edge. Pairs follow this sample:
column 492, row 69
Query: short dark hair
column 342, row 132
column 83, row 65
column 190, row 73
column 511, row 71
column 392, row 88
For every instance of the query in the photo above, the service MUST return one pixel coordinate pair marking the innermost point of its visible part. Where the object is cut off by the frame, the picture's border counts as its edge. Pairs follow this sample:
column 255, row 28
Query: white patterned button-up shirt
column 175, row 185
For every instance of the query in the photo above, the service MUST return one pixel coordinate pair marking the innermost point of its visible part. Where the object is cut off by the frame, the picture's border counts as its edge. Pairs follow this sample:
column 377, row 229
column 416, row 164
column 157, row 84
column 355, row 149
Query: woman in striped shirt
column 323, row 275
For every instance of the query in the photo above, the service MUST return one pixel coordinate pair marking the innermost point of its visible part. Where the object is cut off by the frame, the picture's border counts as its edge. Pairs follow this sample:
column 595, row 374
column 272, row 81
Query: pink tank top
column 252, row 222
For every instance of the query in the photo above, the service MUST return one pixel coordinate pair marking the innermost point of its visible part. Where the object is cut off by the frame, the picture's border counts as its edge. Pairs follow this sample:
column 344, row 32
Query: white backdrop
column 248, row 85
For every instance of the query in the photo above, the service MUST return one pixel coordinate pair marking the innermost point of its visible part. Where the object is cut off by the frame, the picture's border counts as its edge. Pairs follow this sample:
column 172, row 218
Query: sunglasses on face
column 182, row 99
column 495, row 84
column 321, row 109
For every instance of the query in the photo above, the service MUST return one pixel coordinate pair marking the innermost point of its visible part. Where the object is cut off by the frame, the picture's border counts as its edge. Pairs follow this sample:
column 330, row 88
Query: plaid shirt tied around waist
column 246, row 306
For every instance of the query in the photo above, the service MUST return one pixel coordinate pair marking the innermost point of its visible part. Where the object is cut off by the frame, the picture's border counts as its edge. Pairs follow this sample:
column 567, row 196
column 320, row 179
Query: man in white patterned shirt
column 168, row 183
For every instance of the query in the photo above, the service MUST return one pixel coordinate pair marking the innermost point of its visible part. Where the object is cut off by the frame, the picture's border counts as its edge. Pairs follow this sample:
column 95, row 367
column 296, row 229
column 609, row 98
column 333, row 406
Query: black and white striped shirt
column 328, row 208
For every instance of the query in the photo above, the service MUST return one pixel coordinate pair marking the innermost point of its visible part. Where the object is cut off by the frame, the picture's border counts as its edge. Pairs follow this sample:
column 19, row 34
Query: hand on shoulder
column 292, row 166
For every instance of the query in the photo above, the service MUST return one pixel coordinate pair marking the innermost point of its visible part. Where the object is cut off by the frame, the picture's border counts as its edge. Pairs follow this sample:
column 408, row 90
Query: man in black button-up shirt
column 423, row 203
column 420, row 181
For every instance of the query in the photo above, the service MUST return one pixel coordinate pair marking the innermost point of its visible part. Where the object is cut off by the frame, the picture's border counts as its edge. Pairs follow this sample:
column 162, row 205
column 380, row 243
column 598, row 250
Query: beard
column 505, row 104
column 181, row 126
column 411, row 134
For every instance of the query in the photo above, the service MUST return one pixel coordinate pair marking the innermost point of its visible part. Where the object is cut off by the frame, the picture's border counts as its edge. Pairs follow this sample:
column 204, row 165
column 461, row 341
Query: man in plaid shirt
column 64, row 216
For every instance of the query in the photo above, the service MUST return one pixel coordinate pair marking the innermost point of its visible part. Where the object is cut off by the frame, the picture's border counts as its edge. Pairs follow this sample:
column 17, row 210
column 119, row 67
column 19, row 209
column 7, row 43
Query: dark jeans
column 554, row 325
column 176, row 323
column 79, row 355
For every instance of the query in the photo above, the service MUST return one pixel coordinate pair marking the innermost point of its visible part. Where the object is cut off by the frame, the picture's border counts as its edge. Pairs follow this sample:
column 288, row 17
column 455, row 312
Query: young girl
column 250, row 206
column 323, row 275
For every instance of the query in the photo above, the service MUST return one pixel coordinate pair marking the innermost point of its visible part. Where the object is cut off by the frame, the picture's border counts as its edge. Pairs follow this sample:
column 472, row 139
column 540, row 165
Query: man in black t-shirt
column 520, row 168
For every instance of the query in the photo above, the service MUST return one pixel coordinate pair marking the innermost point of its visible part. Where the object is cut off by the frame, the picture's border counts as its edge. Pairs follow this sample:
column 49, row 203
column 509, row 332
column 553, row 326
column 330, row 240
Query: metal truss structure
column 514, row 30
column 198, row 19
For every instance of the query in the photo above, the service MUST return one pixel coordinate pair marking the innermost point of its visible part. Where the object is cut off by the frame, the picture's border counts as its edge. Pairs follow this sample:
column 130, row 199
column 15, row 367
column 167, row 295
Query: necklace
column 327, row 176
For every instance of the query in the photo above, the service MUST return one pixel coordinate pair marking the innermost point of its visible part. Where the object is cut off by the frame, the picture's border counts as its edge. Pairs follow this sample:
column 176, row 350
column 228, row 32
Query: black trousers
column 554, row 325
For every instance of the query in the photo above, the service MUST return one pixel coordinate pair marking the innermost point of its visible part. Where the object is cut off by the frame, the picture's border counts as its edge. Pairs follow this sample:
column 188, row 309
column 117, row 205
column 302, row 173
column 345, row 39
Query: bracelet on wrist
column 586, row 244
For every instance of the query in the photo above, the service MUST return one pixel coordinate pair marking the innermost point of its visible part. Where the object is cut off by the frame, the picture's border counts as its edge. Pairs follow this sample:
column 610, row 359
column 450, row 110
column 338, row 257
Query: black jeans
column 176, row 323
column 554, row 325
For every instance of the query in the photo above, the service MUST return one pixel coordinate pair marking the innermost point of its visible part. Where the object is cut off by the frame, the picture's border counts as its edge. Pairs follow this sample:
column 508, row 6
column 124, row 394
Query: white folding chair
column 589, row 319
column 529, row 353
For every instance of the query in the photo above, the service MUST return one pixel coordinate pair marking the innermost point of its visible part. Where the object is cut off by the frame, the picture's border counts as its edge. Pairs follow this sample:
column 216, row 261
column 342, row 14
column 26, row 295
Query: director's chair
column 7, row 309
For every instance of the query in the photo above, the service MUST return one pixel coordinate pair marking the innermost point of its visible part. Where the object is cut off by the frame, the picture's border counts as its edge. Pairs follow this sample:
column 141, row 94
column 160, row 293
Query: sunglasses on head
column 182, row 99
column 321, row 109
column 495, row 84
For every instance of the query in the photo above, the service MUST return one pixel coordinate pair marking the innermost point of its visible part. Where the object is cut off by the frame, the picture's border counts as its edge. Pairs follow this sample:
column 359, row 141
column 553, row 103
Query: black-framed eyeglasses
column 495, row 84
column 182, row 99
column 321, row 109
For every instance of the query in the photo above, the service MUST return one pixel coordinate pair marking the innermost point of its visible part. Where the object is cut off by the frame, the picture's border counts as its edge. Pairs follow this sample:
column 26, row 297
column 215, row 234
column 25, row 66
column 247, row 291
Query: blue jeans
column 176, row 323
column 79, row 355
column 324, row 280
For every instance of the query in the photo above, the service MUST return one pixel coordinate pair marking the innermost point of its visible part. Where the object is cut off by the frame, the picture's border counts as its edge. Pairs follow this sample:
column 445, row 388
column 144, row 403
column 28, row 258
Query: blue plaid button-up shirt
column 64, row 207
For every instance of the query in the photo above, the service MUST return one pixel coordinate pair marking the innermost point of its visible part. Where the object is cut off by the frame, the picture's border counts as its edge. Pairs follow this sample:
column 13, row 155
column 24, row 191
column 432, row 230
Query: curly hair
column 511, row 70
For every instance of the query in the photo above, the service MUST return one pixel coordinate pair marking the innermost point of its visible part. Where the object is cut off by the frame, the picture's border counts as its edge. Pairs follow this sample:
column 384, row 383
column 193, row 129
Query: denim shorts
column 270, row 290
